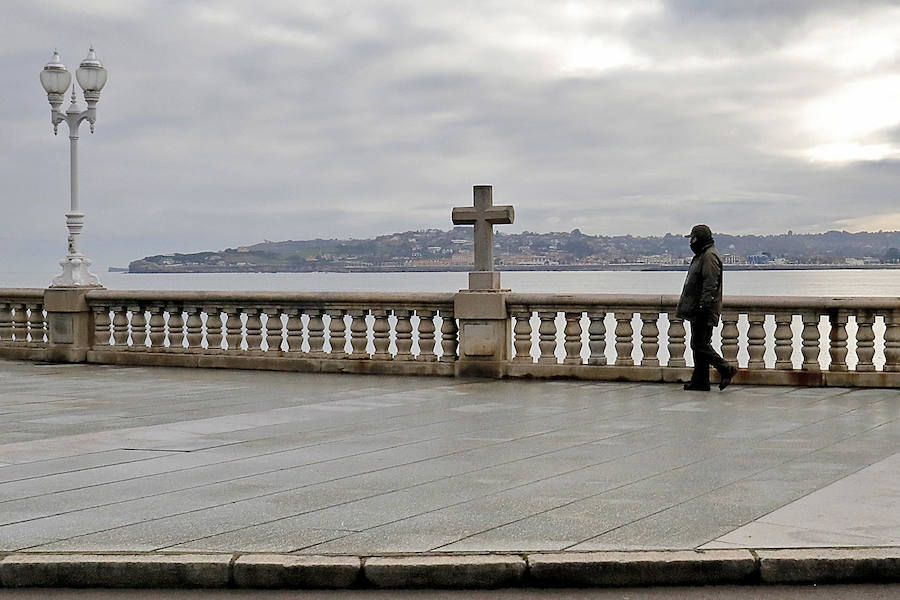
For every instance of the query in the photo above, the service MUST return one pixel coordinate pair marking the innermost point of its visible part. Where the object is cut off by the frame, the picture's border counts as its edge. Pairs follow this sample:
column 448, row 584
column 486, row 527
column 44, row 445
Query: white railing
column 758, row 333
column 22, row 319
column 337, row 326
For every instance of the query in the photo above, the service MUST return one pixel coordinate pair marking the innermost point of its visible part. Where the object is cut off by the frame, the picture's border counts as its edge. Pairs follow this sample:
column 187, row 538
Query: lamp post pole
column 91, row 76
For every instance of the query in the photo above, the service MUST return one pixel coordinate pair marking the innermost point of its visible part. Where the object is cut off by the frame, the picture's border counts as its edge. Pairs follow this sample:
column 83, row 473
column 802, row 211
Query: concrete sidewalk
column 153, row 460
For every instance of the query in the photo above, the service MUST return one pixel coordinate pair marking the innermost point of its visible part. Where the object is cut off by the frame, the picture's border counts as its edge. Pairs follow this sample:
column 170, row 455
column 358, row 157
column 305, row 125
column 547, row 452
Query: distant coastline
column 467, row 268
column 436, row 250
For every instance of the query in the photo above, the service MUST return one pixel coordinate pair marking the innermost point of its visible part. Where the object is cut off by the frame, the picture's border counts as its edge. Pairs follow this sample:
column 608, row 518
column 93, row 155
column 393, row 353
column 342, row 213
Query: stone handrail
column 22, row 319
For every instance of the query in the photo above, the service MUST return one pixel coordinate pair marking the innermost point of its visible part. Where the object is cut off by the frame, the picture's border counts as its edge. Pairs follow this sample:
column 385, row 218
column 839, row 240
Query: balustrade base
column 271, row 363
column 490, row 369
column 36, row 353
column 878, row 379
column 598, row 372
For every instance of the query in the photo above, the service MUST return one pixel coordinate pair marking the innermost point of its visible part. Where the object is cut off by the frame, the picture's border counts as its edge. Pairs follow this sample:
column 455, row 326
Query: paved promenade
column 96, row 458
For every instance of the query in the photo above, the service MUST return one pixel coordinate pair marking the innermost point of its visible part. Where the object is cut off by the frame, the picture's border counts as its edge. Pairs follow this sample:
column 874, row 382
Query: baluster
column 214, row 329
column 547, row 333
column 295, row 331
column 233, row 333
column 381, row 334
column 176, row 328
column 45, row 323
column 404, row 334
column 138, row 328
column 157, row 328
column 255, row 330
column 273, row 330
column 316, row 329
column 29, row 334
column 810, row 337
column 572, row 333
column 358, row 333
column 730, row 336
column 522, row 333
column 838, row 340
column 624, row 339
column 756, row 341
column 6, row 324
column 783, row 341
column 865, row 341
column 597, row 338
column 194, row 326
column 449, row 336
column 120, row 326
column 20, row 323
column 36, row 324
column 892, row 341
column 101, row 326
column 337, row 331
column 650, row 339
column 677, row 344
column 426, row 335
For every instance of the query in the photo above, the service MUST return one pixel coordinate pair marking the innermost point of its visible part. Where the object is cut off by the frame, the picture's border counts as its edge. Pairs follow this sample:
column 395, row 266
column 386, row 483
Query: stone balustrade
column 388, row 333
column 23, row 324
column 775, row 340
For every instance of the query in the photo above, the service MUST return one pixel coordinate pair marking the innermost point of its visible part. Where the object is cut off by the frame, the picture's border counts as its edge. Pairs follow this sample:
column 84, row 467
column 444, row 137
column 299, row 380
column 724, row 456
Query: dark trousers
column 704, row 355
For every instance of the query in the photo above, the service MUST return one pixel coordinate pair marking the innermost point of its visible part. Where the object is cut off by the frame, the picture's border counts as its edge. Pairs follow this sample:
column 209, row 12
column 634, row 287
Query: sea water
column 831, row 282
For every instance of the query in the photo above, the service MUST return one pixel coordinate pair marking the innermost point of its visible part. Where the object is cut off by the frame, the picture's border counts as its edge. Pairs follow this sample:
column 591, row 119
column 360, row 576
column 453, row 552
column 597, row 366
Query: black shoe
column 690, row 387
column 726, row 379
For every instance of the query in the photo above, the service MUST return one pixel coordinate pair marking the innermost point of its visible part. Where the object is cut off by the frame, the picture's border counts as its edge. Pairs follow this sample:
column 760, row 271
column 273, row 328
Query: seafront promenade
column 106, row 459
column 483, row 438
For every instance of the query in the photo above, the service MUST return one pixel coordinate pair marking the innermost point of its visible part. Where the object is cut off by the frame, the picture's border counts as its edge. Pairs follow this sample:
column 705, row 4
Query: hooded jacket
column 702, row 292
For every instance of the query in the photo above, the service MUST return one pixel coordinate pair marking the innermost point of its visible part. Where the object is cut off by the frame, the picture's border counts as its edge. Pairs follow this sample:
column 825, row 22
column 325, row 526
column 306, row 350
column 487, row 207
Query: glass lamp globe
column 91, row 75
column 54, row 77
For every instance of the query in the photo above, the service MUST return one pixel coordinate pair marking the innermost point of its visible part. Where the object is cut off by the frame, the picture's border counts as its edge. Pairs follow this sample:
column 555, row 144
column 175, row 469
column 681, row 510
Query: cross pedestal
column 484, row 325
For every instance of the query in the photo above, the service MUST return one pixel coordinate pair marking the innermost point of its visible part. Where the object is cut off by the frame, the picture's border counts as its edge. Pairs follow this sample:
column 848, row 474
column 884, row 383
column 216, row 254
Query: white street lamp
column 55, row 79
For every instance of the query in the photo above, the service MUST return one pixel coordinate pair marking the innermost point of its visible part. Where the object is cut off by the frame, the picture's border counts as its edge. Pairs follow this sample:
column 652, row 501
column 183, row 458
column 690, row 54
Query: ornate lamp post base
column 75, row 273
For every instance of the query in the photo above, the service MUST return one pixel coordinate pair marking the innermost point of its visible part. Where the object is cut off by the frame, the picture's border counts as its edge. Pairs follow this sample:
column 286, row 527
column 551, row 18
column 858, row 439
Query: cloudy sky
column 229, row 122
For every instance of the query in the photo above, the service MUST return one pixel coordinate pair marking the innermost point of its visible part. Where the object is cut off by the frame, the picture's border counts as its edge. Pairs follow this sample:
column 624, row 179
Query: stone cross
column 484, row 215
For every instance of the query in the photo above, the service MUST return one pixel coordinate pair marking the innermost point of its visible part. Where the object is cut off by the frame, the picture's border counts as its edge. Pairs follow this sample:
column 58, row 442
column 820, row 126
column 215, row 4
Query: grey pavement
column 100, row 458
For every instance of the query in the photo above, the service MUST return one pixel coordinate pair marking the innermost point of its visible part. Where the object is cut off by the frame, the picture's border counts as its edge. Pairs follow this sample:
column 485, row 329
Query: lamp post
column 55, row 79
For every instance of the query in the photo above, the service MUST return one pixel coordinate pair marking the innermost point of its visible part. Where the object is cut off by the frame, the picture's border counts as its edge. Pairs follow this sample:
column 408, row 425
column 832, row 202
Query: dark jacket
column 702, row 293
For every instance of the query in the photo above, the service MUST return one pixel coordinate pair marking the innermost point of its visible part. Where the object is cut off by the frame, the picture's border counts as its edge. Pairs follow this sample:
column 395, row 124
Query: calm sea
column 838, row 282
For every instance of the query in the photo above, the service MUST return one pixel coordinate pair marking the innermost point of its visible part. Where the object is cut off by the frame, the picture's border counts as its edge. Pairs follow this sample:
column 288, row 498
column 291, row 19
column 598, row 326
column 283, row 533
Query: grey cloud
column 225, row 123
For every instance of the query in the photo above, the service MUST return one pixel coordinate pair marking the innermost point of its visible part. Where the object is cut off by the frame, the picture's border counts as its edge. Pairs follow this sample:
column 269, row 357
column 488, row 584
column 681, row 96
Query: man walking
column 701, row 304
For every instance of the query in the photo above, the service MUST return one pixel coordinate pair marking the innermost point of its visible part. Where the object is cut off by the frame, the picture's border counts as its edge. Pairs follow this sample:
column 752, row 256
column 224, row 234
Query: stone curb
column 620, row 569
column 98, row 570
column 570, row 569
column 829, row 565
column 275, row 571
column 466, row 571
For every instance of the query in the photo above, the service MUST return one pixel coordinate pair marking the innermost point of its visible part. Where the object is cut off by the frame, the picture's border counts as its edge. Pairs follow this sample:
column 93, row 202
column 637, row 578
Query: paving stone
column 278, row 536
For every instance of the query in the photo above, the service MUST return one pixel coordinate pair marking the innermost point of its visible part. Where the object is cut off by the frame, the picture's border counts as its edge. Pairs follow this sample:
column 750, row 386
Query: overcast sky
column 229, row 122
